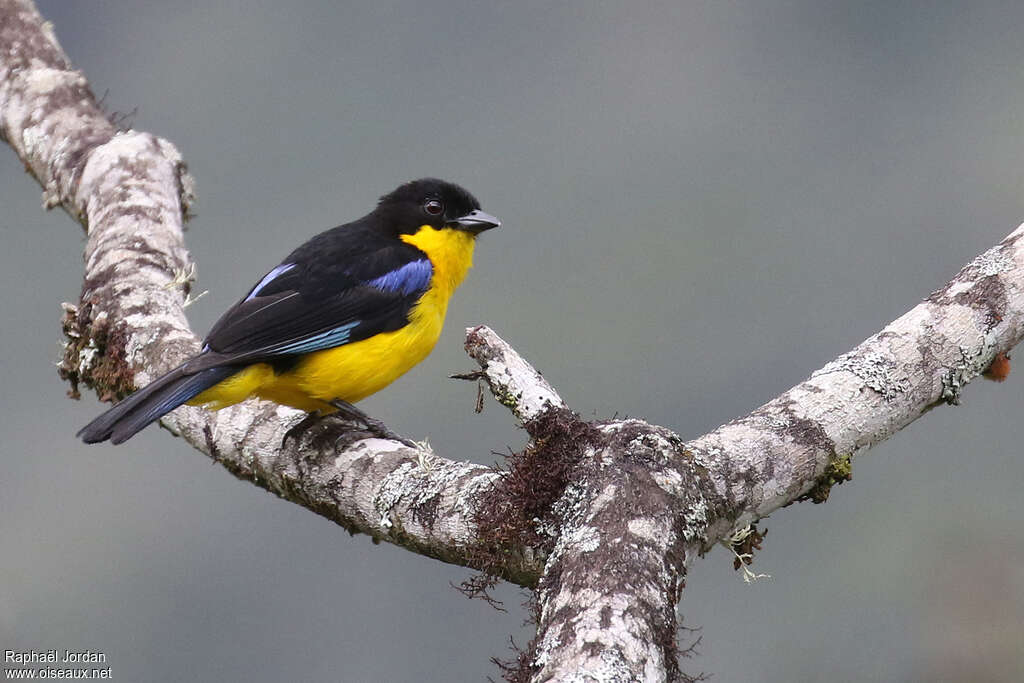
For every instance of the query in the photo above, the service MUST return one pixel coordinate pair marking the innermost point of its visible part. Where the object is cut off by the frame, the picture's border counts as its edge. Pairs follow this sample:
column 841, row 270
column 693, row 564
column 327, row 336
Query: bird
column 340, row 318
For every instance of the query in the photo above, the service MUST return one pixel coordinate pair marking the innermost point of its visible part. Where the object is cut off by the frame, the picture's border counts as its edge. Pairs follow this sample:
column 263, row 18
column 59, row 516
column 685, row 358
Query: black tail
column 151, row 402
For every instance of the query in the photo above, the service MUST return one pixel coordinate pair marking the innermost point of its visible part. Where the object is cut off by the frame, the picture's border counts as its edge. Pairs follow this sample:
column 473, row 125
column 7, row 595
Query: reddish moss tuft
column 999, row 368
column 512, row 513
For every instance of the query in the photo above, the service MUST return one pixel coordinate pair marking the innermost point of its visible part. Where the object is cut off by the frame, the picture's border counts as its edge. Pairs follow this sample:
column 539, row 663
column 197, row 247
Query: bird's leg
column 374, row 426
column 348, row 413
column 325, row 435
column 301, row 427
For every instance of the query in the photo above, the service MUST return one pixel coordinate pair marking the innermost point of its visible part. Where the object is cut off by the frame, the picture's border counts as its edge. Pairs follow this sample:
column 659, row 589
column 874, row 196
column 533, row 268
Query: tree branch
column 603, row 517
column 801, row 442
column 513, row 381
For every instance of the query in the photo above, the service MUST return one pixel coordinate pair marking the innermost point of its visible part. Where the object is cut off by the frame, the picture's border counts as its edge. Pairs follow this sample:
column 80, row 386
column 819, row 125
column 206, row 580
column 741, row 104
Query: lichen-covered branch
column 514, row 382
column 618, row 562
column 131, row 192
column 800, row 443
column 682, row 498
column 602, row 517
column 49, row 114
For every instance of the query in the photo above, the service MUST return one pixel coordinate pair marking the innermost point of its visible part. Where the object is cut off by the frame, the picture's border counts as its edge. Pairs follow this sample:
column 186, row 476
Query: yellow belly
column 354, row 371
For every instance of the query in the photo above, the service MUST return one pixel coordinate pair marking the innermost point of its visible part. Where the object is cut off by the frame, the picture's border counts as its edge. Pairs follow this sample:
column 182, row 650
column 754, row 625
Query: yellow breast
column 354, row 371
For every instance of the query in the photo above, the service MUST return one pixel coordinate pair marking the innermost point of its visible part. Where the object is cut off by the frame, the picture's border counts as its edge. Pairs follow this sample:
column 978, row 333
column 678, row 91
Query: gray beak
column 475, row 222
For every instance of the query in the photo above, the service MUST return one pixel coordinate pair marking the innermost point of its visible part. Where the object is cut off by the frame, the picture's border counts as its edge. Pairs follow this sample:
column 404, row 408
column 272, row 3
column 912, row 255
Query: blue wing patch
column 411, row 278
column 318, row 342
column 268, row 278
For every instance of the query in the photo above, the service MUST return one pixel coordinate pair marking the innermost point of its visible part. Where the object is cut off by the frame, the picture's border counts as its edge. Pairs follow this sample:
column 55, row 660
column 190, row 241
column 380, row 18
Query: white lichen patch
column 709, row 453
column 575, row 540
column 584, row 596
column 87, row 357
column 545, row 647
column 652, row 440
column 611, row 667
column 875, row 368
column 146, row 330
column 518, row 389
column 395, row 486
column 773, row 489
column 606, row 496
column 411, row 484
column 585, row 539
column 514, row 382
column 958, row 287
column 286, row 413
column 571, row 506
column 470, row 491
column 695, row 521
column 668, row 480
column 32, row 140
column 42, row 81
column 548, row 529
column 993, row 262
column 771, row 420
column 647, row 529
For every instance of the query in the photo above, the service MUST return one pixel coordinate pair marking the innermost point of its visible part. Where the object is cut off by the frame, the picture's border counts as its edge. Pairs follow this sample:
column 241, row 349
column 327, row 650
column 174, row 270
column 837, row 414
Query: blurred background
column 703, row 202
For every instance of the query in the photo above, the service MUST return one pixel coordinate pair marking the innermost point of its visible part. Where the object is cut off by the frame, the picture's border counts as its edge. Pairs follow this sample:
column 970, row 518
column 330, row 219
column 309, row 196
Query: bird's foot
column 342, row 428
column 374, row 427
column 301, row 427
column 382, row 431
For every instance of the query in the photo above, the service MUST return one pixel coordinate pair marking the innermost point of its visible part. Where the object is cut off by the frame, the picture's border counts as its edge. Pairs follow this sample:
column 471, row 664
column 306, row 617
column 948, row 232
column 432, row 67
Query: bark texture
column 601, row 517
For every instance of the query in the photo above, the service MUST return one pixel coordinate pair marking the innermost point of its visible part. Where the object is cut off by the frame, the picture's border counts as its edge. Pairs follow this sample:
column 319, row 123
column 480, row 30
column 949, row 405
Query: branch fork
column 601, row 517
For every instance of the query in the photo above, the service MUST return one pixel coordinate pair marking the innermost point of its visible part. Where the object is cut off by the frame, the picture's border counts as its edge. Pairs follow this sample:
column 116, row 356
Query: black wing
column 342, row 286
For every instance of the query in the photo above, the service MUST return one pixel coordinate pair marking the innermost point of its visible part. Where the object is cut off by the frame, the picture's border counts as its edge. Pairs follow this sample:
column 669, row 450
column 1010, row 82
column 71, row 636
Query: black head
column 433, row 202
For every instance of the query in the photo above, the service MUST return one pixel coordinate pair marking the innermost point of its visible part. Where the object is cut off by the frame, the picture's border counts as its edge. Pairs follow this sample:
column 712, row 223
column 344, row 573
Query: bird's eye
column 433, row 207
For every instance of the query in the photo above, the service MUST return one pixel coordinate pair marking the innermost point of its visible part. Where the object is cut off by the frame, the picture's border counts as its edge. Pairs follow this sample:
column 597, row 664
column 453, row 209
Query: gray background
column 703, row 203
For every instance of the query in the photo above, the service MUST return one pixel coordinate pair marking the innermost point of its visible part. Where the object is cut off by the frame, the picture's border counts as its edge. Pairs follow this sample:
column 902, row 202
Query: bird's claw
column 382, row 431
column 352, row 427
column 353, row 432
column 373, row 425
column 299, row 429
